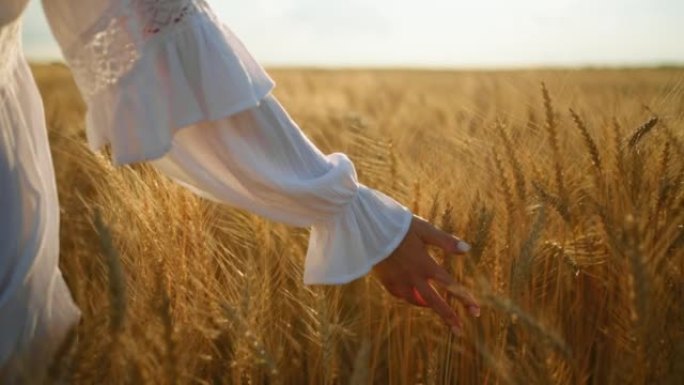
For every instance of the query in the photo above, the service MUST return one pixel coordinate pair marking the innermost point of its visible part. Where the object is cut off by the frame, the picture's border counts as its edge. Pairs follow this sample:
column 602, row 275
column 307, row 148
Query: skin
column 408, row 273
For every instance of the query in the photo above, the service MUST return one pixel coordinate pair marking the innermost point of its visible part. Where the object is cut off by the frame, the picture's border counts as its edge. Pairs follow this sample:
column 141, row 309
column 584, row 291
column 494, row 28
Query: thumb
column 447, row 242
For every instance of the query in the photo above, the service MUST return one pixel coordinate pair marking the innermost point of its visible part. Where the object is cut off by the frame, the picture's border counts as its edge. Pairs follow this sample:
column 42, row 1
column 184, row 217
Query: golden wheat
column 580, row 264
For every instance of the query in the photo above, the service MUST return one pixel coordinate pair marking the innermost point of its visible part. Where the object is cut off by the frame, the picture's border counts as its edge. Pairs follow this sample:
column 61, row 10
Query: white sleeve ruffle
column 149, row 68
column 364, row 233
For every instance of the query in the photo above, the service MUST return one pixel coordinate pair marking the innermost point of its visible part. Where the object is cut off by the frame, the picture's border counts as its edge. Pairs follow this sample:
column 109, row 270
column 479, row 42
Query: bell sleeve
column 169, row 83
column 261, row 161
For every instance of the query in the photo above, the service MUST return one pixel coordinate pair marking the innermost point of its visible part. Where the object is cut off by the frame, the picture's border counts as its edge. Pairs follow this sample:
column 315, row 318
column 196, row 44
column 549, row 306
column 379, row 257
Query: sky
column 439, row 33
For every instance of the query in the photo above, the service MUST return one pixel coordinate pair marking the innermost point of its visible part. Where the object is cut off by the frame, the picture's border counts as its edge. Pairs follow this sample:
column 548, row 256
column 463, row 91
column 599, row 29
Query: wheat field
column 568, row 184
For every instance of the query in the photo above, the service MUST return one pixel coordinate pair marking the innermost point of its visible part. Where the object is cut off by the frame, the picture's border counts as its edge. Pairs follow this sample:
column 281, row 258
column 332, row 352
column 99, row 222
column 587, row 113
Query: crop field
column 569, row 185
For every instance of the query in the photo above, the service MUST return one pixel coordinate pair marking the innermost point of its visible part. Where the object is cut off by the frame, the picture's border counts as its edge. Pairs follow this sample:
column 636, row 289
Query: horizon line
column 440, row 67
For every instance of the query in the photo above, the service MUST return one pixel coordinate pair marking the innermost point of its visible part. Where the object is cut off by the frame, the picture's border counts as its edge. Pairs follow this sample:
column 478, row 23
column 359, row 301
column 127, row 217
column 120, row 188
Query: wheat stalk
column 518, row 174
column 117, row 280
column 522, row 267
column 642, row 130
column 508, row 197
column 552, row 130
column 590, row 143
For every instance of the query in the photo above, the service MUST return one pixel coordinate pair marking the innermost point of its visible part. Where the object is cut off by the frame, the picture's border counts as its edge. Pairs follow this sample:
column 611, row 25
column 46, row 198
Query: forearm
column 261, row 161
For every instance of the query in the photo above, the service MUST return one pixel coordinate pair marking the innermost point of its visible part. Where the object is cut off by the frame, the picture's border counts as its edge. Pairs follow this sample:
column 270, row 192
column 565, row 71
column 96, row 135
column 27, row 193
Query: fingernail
column 456, row 330
column 474, row 310
column 462, row 247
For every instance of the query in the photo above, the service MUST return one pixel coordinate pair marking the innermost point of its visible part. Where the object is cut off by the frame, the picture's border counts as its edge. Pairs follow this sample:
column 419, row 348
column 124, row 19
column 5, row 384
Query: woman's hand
column 407, row 271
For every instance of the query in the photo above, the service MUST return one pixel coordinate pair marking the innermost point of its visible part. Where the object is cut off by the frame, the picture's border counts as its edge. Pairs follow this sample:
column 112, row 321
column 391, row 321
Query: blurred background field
column 575, row 217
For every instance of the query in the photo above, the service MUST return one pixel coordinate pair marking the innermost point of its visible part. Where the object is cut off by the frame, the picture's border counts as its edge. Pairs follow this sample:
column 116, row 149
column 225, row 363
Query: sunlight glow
column 441, row 33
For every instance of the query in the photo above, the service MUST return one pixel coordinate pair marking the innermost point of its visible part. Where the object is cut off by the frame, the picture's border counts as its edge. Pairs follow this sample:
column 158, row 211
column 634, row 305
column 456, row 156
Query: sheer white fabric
column 261, row 161
column 165, row 81
column 149, row 67
column 36, row 308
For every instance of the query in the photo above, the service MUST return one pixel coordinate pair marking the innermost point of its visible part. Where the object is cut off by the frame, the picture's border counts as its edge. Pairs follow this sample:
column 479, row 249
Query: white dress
column 164, row 81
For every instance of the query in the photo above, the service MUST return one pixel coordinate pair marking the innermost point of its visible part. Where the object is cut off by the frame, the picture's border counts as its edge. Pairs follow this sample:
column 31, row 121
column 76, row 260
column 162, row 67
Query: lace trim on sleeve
column 115, row 43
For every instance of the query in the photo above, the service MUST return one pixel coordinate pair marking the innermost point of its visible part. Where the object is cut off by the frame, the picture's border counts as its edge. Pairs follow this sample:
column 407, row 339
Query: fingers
column 408, row 294
column 434, row 236
column 411, row 295
column 418, row 297
column 407, row 273
column 437, row 303
column 450, row 243
column 460, row 292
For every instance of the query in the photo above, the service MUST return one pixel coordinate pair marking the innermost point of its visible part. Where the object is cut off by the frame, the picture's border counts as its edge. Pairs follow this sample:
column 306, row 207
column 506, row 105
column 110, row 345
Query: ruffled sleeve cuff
column 365, row 232
column 142, row 82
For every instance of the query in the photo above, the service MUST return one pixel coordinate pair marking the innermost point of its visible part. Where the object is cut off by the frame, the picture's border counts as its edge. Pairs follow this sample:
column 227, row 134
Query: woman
column 166, row 82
